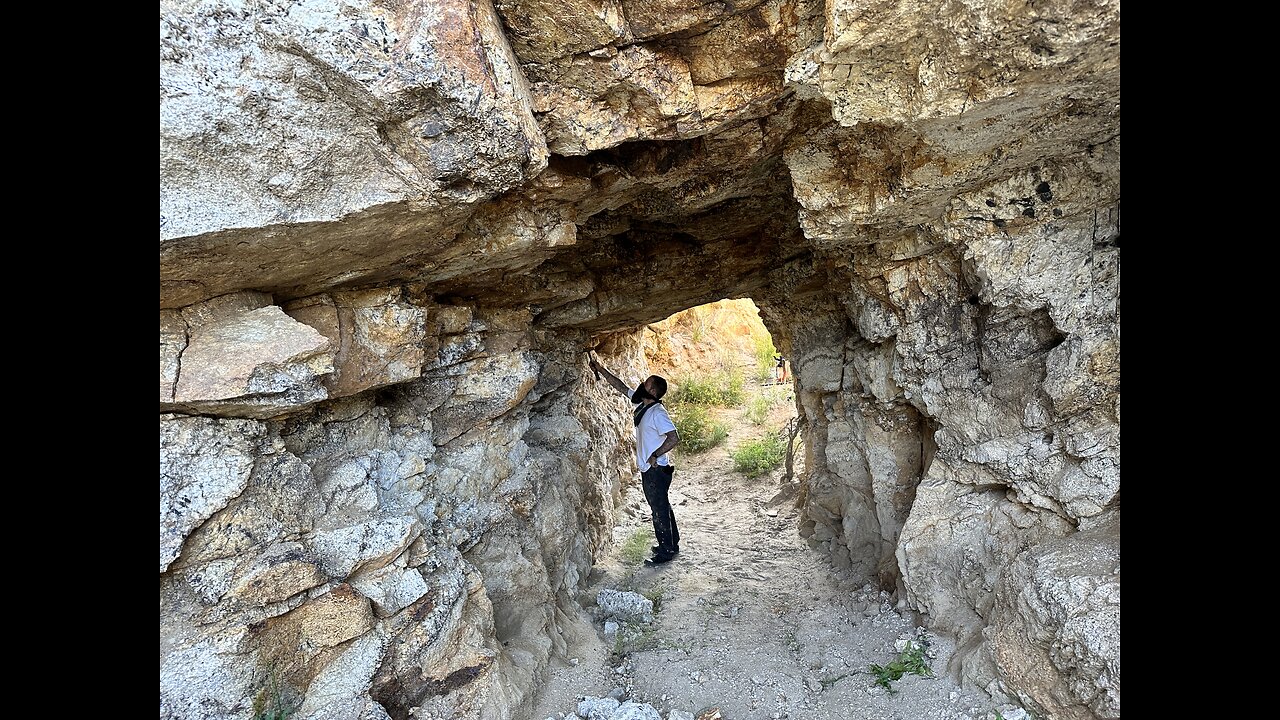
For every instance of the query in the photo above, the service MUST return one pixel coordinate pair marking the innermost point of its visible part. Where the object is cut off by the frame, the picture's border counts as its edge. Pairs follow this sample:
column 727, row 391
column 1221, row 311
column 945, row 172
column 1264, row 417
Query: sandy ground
column 751, row 621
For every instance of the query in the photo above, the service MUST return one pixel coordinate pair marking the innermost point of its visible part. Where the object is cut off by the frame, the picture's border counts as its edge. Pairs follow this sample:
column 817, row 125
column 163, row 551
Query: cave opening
column 732, row 399
column 752, row 554
column 389, row 482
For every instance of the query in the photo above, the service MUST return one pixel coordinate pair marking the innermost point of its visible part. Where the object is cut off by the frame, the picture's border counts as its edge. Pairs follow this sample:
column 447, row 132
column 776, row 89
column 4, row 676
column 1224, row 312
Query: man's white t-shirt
column 650, row 433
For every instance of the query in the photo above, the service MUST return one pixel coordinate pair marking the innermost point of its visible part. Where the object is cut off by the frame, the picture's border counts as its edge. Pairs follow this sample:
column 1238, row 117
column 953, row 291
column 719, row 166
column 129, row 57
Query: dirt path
column 750, row 619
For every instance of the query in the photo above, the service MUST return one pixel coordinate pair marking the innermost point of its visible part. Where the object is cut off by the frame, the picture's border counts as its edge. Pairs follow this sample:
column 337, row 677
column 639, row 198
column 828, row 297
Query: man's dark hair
column 659, row 384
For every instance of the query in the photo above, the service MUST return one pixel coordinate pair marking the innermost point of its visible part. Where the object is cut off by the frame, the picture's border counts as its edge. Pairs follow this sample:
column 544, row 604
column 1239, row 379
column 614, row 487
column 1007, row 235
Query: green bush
column 759, row 407
column 634, row 637
column 636, row 547
column 697, row 431
column 656, row 595
column 724, row 389
column 694, row 391
column 757, row 457
column 765, row 363
column 910, row 660
column 731, row 390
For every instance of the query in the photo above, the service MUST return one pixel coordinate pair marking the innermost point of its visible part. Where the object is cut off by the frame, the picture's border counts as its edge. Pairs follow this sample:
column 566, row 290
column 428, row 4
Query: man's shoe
column 659, row 558
column 655, row 549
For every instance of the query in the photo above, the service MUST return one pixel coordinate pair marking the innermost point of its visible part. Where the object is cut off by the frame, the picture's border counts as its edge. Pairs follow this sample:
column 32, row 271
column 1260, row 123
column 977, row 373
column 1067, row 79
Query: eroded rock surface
column 388, row 232
column 388, row 554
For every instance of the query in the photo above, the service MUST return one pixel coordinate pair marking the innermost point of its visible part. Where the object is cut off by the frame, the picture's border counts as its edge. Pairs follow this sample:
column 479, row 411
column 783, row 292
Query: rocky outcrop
column 397, row 552
column 239, row 355
column 336, row 133
column 204, row 464
column 939, row 451
column 377, row 337
column 605, row 73
column 1055, row 626
column 388, row 232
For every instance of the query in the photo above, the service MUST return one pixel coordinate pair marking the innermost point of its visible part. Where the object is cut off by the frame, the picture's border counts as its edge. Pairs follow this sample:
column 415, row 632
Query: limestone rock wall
column 279, row 118
column 961, row 417
column 390, row 550
column 388, row 230
column 865, row 445
column 631, row 70
column 1072, row 587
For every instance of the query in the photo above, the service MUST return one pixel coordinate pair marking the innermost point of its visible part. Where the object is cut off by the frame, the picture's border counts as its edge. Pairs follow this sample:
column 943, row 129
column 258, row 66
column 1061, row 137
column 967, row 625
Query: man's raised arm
column 613, row 379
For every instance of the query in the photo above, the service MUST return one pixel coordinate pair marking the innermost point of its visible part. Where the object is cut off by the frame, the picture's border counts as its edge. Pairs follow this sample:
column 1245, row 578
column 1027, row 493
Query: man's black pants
column 657, row 481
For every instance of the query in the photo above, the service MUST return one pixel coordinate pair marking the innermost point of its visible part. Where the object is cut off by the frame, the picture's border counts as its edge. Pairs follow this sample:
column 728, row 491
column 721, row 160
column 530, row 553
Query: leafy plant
column 885, row 676
column 656, row 595
column 759, row 407
column 724, row 388
column 910, row 660
column 731, row 393
column 697, row 431
column 632, row 637
column 700, row 390
column 636, row 547
column 764, row 352
column 757, row 457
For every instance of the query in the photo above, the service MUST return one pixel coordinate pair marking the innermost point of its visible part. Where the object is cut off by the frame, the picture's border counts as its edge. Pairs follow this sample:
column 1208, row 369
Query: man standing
column 655, row 436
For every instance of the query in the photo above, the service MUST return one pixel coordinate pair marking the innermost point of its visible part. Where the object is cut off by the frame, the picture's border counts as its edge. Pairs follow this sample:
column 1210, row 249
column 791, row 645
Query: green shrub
column 634, row 637
column 757, row 457
column 697, row 431
column 636, row 547
column 724, row 389
column 910, row 660
column 731, row 389
column 656, row 595
column 694, row 391
column 759, row 407
column 765, row 351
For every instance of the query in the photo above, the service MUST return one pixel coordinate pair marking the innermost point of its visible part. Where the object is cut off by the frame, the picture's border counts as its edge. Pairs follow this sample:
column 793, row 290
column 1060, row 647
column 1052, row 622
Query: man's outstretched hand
column 609, row 377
